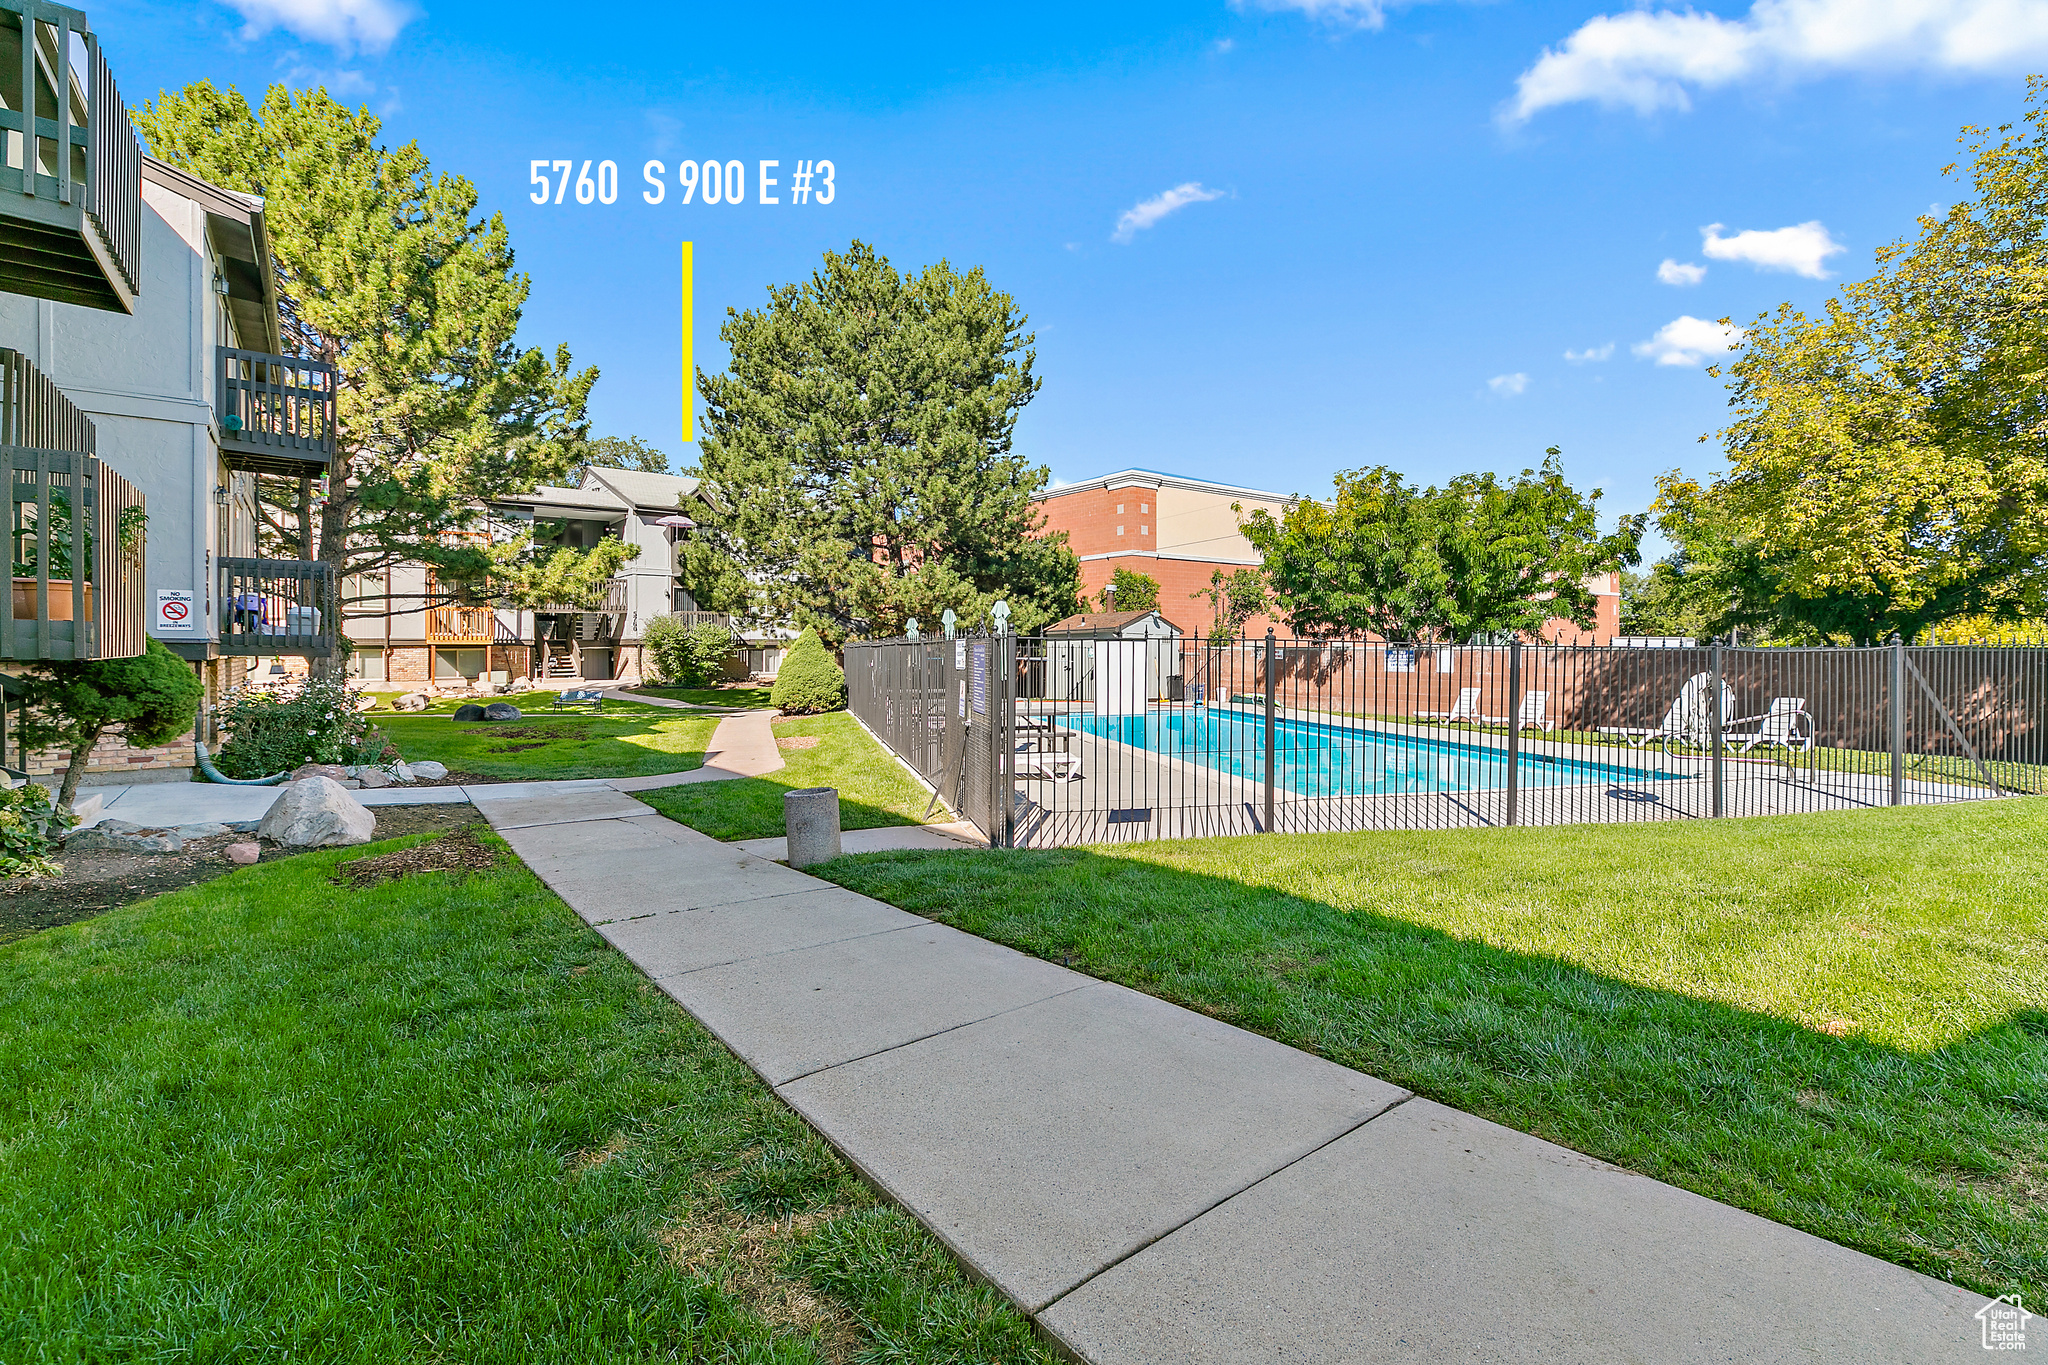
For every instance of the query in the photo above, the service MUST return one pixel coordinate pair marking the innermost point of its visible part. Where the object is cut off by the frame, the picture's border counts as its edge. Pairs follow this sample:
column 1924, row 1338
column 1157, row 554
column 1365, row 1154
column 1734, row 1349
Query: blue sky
column 1351, row 234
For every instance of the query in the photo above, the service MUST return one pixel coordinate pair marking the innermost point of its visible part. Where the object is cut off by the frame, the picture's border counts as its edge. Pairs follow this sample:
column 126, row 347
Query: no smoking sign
column 174, row 609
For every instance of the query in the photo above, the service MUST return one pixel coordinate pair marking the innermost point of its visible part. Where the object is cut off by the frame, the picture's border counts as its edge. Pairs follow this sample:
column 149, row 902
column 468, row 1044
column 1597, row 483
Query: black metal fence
column 1091, row 741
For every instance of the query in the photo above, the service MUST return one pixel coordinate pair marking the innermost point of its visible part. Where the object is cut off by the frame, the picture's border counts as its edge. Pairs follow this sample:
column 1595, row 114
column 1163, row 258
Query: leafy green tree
column 1476, row 558
column 809, row 681
column 1234, row 599
column 1664, row 600
column 623, row 452
column 389, row 272
column 1888, row 464
column 1129, row 590
column 152, row 699
column 862, row 436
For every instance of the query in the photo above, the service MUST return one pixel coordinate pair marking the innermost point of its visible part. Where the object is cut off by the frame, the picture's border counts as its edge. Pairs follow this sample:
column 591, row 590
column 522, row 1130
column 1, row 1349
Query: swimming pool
column 1318, row 759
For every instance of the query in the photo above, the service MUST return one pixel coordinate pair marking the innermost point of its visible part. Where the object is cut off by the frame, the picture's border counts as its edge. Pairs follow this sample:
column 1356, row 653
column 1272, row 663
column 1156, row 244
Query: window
column 1119, row 530
column 367, row 663
column 1144, row 530
column 458, row 663
column 1144, row 507
column 1119, row 512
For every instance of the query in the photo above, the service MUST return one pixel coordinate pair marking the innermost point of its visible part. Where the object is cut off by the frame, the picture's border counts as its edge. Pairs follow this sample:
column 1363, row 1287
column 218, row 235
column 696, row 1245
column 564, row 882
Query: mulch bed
column 94, row 883
column 457, row 851
column 796, row 741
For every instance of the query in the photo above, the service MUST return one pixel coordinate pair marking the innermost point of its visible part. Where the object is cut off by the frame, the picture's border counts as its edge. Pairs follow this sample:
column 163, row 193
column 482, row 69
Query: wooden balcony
column 275, row 413
column 75, row 530
column 278, row 606
column 456, row 625
column 71, row 170
column 610, row 601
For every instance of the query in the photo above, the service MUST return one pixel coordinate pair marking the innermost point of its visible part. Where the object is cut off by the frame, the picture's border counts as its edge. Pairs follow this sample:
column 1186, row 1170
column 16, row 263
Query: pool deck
column 1128, row 793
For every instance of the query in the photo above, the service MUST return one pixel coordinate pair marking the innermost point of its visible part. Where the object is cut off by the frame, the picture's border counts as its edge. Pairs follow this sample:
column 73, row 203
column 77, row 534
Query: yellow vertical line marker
column 689, row 357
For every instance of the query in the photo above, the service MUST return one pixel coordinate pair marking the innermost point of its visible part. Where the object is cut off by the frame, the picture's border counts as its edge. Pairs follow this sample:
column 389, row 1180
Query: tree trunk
column 81, row 754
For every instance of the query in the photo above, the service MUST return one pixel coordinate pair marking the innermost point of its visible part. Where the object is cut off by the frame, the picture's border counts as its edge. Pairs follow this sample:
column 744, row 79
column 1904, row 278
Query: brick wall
column 112, row 757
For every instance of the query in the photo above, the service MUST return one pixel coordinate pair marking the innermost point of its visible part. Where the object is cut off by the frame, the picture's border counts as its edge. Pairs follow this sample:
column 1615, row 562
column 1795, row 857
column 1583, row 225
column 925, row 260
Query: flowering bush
column 31, row 823
column 313, row 722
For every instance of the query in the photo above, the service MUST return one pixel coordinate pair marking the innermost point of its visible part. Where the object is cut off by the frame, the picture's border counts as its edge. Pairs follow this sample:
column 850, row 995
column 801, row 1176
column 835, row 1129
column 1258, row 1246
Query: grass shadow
column 622, row 740
column 1929, row 1157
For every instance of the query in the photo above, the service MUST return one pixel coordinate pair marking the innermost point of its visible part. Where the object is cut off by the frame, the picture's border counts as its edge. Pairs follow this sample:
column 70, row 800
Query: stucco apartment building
column 1180, row 531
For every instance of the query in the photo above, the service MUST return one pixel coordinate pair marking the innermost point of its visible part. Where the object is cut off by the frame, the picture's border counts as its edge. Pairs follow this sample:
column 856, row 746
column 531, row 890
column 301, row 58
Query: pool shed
column 1117, row 659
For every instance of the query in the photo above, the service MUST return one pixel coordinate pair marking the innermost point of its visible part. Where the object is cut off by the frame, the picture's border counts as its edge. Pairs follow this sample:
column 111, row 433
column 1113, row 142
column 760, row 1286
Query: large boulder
column 426, row 770
column 316, row 812
column 469, row 711
column 502, row 710
column 412, row 701
column 101, row 839
column 332, row 771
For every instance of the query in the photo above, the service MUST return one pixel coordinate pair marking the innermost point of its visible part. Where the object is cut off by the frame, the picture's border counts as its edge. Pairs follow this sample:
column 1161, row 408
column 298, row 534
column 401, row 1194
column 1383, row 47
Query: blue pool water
column 1317, row 759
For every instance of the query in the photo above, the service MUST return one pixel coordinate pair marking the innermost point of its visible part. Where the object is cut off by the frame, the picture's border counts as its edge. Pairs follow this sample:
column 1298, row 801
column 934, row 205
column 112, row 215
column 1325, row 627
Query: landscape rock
column 400, row 772
column 113, row 826
column 317, row 812
column 426, row 770
column 490, row 689
column 522, row 685
column 204, row 830
column 244, row 854
column 332, row 771
column 469, row 711
column 412, row 701
column 98, row 839
column 244, row 826
column 502, row 710
column 374, row 778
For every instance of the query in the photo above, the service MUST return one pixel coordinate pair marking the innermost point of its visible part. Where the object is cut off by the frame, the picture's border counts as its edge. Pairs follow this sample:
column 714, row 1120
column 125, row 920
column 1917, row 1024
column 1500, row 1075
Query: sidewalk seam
column 940, row 1033
column 1150, row 1242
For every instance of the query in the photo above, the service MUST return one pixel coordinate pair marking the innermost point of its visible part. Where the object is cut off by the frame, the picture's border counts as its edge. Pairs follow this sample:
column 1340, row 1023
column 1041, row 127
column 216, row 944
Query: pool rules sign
column 174, row 609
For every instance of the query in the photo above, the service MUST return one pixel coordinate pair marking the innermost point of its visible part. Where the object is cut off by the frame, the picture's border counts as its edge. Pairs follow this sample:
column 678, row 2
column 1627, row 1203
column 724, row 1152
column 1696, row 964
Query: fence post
column 1714, row 720
column 1271, row 676
column 1514, row 731
column 1898, row 727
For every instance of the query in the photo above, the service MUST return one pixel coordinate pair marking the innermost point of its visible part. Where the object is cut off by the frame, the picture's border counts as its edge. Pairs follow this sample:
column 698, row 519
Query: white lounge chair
column 1464, row 710
column 1688, row 722
column 1534, row 712
column 1036, row 764
column 1777, row 727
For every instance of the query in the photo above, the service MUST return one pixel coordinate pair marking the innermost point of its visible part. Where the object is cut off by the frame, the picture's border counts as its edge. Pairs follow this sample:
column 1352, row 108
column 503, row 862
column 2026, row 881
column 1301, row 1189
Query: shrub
column 687, row 656
column 313, row 722
column 151, row 698
column 31, row 823
column 808, row 681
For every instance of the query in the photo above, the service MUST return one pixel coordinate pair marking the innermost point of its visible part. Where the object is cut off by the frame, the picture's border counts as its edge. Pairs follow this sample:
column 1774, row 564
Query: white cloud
column 1680, row 272
column 1803, row 249
column 1595, row 353
column 1687, row 340
column 1223, row 46
column 1648, row 60
column 1344, row 13
column 1508, row 385
column 1144, row 214
column 345, row 25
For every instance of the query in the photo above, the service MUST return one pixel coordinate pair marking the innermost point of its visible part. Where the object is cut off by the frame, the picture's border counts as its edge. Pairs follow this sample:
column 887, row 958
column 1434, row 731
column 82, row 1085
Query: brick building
column 1179, row 531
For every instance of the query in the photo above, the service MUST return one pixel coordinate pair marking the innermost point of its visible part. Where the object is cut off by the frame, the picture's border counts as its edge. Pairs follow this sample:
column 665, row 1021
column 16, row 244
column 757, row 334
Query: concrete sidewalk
column 1153, row 1185
column 741, row 746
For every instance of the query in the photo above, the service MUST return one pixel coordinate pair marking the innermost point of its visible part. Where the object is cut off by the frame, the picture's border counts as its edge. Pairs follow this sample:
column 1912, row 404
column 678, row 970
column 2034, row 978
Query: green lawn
column 624, row 740
column 874, row 789
column 1838, row 1021
column 431, row 1120
column 748, row 698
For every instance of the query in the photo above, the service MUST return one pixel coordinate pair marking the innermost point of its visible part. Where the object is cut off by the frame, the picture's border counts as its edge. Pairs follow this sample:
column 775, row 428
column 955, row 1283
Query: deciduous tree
column 1479, row 557
column 1888, row 464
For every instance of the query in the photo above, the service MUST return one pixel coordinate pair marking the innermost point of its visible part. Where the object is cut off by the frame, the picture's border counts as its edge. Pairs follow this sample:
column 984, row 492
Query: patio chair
column 1464, row 710
column 1043, row 765
column 1688, row 722
column 1534, row 712
column 1778, row 727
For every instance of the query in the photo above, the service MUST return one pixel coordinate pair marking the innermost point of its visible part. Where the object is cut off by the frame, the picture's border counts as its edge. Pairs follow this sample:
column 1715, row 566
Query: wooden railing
column 610, row 601
column 75, row 530
column 456, row 625
column 71, row 210
column 278, row 606
column 276, row 413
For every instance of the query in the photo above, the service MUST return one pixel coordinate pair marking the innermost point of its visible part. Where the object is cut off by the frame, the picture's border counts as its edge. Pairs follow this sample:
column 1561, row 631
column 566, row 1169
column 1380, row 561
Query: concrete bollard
column 810, row 817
